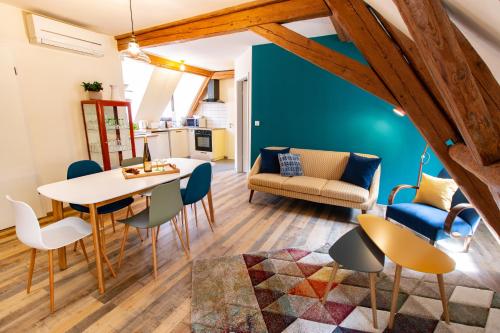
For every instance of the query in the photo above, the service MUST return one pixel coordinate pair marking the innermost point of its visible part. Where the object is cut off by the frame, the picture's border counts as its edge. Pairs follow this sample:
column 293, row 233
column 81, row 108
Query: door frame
column 243, row 121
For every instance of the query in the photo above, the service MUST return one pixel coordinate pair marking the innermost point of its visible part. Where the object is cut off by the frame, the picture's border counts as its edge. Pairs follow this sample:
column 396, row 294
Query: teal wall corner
column 300, row 105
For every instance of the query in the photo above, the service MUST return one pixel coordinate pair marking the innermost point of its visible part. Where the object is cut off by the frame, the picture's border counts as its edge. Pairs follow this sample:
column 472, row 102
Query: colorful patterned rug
column 279, row 291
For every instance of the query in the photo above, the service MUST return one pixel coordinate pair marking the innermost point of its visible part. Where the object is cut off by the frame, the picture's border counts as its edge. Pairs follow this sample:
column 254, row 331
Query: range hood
column 213, row 92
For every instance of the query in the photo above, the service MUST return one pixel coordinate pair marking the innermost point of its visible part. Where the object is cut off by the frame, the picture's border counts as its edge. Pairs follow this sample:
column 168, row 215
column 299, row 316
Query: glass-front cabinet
column 109, row 131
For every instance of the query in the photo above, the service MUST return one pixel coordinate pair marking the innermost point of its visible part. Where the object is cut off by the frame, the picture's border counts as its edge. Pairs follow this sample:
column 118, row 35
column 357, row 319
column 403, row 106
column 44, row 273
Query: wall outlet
column 257, row 123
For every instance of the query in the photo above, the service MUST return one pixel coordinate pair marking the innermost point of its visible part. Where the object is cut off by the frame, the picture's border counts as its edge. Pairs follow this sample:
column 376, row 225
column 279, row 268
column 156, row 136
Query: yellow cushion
column 273, row 180
column 437, row 192
column 304, row 184
column 341, row 190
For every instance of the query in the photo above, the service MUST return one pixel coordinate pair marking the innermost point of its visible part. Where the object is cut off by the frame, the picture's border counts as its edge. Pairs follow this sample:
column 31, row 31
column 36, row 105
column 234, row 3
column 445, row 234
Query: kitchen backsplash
column 216, row 114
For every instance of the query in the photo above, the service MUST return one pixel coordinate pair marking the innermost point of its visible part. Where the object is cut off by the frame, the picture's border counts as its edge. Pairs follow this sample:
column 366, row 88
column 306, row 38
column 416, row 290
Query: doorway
column 243, row 127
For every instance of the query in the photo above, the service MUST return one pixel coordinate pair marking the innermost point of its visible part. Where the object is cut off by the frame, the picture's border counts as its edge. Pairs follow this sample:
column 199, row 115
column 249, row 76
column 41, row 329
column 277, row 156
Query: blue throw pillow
column 360, row 170
column 269, row 160
column 290, row 165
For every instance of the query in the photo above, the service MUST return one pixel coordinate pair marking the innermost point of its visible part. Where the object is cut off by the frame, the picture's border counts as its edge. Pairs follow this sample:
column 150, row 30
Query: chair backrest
column 82, row 168
column 469, row 215
column 27, row 227
column 166, row 202
column 131, row 161
column 199, row 183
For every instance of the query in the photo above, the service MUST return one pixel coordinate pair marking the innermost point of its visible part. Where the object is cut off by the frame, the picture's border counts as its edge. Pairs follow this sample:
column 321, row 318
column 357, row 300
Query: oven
column 203, row 140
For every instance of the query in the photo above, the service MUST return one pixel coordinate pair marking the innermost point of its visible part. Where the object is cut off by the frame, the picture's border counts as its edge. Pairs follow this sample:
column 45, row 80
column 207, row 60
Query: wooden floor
column 134, row 302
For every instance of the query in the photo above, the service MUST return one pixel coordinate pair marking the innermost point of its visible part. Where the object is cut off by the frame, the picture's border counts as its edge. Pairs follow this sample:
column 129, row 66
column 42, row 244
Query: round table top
column 405, row 248
column 355, row 251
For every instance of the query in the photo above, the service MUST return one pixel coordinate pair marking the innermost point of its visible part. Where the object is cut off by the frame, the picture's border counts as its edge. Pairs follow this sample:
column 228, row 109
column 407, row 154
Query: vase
column 115, row 92
column 95, row 94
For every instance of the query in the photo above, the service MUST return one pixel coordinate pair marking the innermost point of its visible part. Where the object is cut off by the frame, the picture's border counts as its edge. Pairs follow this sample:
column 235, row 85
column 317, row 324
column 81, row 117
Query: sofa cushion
column 344, row 191
column 321, row 163
column 272, row 180
column 269, row 159
column 426, row 220
column 304, row 184
column 360, row 170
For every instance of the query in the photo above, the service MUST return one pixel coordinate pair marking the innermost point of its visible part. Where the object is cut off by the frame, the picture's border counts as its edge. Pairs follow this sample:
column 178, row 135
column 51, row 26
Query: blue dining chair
column 88, row 167
column 461, row 221
column 196, row 189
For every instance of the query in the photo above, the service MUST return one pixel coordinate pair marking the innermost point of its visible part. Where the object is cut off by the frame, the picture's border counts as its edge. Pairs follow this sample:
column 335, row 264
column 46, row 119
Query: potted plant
column 94, row 89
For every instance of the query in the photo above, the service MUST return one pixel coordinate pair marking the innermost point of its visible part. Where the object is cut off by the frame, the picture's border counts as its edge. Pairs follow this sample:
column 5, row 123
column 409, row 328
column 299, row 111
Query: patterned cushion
column 304, row 184
column 344, row 191
column 268, row 180
column 290, row 165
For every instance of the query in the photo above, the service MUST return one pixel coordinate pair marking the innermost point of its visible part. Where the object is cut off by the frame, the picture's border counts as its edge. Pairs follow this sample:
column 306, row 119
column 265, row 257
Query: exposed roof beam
column 222, row 75
column 176, row 66
column 229, row 20
column 197, row 100
column 435, row 38
column 341, row 32
column 386, row 59
column 334, row 62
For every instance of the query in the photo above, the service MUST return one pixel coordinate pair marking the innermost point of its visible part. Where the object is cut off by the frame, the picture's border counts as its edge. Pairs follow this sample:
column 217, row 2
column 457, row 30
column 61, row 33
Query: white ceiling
column 218, row 53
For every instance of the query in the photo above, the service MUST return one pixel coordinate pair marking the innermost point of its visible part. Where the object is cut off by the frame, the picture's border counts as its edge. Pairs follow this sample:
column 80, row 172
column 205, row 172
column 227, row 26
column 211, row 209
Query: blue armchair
column 461, row 221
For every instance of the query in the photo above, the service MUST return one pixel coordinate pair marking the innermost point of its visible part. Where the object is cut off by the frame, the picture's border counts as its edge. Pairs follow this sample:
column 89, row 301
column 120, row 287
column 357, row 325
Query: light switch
column 257, row 123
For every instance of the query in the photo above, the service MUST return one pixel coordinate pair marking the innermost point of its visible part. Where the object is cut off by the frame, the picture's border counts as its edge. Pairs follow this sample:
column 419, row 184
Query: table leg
column 211, row 206
column 395, row 293
column 373, row 298
column 97, row 247
column 57, row 214
column 330, row 282
column 443, row 298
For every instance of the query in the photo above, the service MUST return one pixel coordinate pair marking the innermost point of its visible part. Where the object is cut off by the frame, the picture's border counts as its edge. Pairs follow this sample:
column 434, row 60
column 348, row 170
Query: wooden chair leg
column 139, row 233
column 443, row 298
column 75, row 246
column 373, row 298
column 103, row 247
column 196, row 214
column 208, row 216
column 330, row 282
column 31, row 269
column 153, row 239
column 113, row 222
column 81, row 215
column 51, row 280
column 84, row 250
column 157, row 232
column 186, row 226
column 179, row 234
column 251, row 196
column 122, row 247
column 395, row 293
column 363, row 211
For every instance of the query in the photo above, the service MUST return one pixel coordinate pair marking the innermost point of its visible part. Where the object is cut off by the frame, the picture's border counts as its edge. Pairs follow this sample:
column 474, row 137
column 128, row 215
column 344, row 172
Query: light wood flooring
column 135, row 302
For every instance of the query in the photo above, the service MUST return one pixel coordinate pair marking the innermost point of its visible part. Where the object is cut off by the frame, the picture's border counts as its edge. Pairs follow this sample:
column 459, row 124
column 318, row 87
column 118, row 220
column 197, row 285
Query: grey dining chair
column 166, row 204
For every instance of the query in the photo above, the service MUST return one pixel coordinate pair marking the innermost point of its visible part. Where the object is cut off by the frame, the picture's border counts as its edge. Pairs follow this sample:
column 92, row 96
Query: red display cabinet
column 109, row 131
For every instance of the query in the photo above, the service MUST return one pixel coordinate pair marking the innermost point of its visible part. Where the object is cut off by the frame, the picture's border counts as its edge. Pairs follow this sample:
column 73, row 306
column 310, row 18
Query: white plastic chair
column 49, row 238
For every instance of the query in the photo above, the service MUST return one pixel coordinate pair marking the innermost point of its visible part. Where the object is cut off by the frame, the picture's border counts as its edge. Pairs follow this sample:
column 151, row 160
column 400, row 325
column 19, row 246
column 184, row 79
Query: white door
column 243, row 127
column 17, row 170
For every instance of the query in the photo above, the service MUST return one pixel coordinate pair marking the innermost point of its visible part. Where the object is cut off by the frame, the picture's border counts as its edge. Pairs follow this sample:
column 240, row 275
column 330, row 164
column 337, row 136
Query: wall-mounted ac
column 48, row 32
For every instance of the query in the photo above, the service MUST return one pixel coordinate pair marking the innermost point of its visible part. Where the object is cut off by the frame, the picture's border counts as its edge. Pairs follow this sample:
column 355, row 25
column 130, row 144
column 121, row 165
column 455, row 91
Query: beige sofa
column 320, row 182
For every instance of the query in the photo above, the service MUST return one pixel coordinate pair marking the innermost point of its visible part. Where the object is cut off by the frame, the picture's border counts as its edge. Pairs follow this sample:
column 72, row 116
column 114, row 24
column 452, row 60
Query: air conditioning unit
column 48, row 32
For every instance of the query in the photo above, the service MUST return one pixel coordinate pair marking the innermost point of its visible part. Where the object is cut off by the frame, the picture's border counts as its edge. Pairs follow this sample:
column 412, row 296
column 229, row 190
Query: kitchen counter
column 152, row 132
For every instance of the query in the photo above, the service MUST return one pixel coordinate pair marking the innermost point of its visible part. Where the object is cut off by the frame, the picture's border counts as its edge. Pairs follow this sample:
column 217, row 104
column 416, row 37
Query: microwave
column 196, row 122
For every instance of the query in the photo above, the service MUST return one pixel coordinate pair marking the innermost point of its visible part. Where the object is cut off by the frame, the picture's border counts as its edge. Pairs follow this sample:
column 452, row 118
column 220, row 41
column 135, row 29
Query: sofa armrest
column 375, row 186
column 452, row 215
column 398, row 188
column 255, row 168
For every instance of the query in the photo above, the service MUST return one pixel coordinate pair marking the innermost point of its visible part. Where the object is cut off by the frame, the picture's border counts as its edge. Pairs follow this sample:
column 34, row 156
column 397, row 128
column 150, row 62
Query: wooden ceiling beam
column 176, row 66
column 388, row 62
column 341, row 32
column 199, row 97
column 334, row 62
column 435, row 38
column 229, row 20
column 222, row 75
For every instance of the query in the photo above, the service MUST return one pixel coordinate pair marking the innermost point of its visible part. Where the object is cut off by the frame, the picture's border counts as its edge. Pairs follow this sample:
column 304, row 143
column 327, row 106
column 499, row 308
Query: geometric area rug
column 279, row 291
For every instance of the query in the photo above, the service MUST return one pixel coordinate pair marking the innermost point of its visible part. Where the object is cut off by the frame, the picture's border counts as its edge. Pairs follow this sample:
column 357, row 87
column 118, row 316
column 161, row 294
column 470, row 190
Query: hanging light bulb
column 133, row 50
column 182, row 67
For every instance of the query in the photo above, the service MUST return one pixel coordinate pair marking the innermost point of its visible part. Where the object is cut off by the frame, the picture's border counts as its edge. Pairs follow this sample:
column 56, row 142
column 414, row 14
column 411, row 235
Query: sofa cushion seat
column 304, row 184
column 273, row 180
column 344, row 191
column 426, row 220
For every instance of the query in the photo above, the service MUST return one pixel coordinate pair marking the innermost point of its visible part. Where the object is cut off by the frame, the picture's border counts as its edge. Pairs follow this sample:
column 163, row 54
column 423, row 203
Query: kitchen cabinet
column 109, row 132
column 152, row 145
column 179, row 145
column 163, row 141
column 192, row 146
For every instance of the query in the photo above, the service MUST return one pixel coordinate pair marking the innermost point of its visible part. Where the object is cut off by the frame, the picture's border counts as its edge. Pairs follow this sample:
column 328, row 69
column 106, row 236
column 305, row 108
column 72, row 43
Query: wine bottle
column 146, row 158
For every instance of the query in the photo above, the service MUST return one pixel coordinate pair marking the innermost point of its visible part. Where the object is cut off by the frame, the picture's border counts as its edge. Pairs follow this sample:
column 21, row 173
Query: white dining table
column 102, row 188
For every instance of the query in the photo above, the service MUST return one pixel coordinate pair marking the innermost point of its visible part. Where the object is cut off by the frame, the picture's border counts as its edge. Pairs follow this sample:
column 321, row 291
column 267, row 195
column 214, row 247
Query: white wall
column 49, row 83
column 227, row 94
column 243, row 70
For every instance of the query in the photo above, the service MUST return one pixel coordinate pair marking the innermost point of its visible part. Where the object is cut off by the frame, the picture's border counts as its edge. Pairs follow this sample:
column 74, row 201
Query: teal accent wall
column 300, row 105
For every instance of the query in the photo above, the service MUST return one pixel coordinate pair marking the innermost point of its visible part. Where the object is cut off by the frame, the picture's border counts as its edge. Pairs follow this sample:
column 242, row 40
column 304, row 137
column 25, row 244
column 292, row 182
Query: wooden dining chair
column 166, row 204
column 49, row 238
column 195, row 191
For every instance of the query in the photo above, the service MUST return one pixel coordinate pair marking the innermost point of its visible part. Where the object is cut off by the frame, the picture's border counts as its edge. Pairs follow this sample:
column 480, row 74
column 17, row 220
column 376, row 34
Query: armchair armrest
column 397, row 189
column 255, row 167
column 454, row 211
